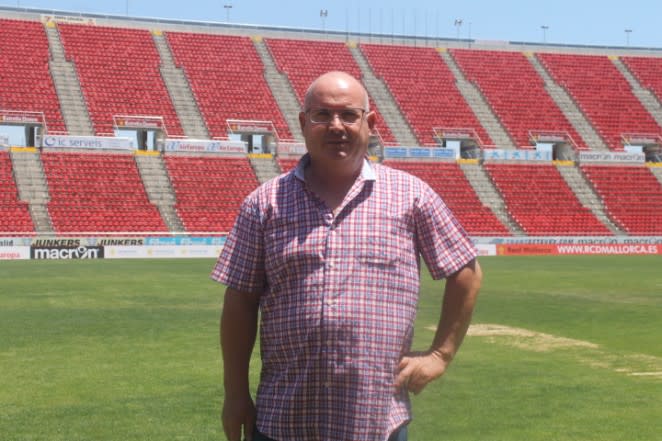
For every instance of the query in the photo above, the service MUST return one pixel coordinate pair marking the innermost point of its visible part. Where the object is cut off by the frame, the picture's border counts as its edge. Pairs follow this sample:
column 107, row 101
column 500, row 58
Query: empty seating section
column 603, row 94
column 14, row 214
column 541, row 202
column 632, row 196
column 516, row 94
column 209, row 190
column 27, row 85
column 98, row 192
column 119, row 74
column 648, row 71
column 226, row 76
column 303, row 61
column 287, row 164
column 424, row 89
column 449, row 181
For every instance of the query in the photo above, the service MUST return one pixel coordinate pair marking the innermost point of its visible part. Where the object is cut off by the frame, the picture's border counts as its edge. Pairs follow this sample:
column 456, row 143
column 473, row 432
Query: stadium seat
column 424, row 89
column 14, row 214
column 449, row 181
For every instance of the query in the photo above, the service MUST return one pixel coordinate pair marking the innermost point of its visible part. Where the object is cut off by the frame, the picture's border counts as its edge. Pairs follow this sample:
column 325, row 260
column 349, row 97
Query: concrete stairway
column 32, row 187
column 180, row 92
column 657, row 171
column 569, row 108
column 388, row 109
column 489, row 196
column 586, row 195
column 281, row 89
column 265, row 167
column 67, row 87
column 645, row 96
column 479, row 105
column 159, row 189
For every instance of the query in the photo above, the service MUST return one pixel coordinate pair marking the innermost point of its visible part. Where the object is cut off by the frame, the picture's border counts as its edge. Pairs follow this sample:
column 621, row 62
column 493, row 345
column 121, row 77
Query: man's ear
column 371, row 119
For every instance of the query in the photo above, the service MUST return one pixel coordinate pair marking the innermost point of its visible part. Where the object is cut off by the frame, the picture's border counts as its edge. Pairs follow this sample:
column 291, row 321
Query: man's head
column 336, row 121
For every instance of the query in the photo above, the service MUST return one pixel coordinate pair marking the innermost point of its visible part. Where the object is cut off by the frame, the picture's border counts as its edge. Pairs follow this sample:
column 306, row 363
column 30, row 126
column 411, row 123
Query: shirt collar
column 367, row 172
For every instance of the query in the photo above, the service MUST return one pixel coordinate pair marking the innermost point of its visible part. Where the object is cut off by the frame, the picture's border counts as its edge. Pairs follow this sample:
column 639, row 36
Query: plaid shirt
column 338, row 297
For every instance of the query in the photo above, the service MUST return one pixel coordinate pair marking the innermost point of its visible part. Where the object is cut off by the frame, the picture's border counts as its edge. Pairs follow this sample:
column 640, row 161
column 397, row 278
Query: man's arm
column 238, row 332
column 416, row 370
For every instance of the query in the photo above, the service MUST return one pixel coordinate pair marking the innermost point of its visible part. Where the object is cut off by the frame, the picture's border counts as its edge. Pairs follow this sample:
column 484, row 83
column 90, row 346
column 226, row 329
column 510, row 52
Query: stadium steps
column 264, row 168
column 569, row 108
column 646, row 97
column 657, row 172
column 32, row 187
column 479, row 105
column 281, row 89
column 388, row 108
column 159, row 189
column 67, row 86
column 489, row 196
column 180, row 92
column 586, row 195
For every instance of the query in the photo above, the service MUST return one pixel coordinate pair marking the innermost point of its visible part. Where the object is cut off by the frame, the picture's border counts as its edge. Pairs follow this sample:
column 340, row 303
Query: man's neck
column 332, row 185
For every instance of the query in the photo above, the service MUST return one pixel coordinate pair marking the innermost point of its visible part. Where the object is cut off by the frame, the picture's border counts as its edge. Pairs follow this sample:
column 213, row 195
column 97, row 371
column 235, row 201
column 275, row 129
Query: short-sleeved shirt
column 338, row 297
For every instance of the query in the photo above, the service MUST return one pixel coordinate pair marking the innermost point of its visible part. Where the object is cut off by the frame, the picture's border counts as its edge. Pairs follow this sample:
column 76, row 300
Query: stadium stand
column 209, row 190
column 14, row 214
column 226, row 76
column 98, row 192
column 632, row 196
column 541, row 202
column 119, row 74
column 516, row 94
column 287, row 164
column 448, row 180
column 27, row 84
column 424, row 88
column 648, row 71
column 304, row 60
column 603, row 94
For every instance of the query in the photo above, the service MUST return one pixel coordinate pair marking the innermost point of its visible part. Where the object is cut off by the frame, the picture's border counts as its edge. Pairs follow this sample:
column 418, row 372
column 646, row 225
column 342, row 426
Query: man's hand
column 237, row 415
column 417, row 369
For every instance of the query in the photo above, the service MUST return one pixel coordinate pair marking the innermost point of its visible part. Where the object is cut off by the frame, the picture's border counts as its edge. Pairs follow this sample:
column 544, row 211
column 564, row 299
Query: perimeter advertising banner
column 577, row 249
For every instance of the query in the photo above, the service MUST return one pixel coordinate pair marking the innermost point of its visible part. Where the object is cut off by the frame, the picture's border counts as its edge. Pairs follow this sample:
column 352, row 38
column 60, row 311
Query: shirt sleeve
column 241, row 262
column 444, row 244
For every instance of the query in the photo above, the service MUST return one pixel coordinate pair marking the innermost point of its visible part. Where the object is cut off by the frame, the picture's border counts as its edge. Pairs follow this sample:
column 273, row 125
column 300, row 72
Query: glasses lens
column 325, row 116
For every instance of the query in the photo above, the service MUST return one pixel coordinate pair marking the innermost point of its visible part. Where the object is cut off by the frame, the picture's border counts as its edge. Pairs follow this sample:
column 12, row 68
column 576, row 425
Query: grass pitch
column 563, row 348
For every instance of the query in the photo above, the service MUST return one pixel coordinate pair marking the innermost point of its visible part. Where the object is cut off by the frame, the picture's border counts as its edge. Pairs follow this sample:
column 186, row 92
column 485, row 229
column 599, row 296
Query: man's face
column 335, row 126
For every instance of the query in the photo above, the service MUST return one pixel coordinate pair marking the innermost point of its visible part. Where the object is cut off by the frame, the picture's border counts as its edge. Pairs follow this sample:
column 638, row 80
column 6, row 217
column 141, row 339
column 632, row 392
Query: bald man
column 329, row 254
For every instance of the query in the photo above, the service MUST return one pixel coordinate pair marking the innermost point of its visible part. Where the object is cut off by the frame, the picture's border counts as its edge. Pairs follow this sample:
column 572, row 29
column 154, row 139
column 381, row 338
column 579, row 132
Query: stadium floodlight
column 227, row 8
column 323, row 14
column 627, row 36
column 544, row 33
column 458, row 25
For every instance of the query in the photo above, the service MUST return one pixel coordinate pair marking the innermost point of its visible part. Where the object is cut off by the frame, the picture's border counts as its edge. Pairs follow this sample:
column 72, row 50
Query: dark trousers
column 400, row 434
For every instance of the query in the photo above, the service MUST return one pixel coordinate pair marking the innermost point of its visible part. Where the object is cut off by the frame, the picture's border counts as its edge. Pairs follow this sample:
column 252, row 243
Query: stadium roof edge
column 310, row 33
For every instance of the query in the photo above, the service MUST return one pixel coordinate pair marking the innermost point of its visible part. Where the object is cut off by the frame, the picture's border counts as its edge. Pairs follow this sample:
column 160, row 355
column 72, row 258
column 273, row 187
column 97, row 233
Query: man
column 329, row 254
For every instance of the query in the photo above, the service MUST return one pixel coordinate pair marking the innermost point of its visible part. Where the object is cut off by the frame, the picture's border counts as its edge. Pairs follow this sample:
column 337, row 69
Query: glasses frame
column 336, row 113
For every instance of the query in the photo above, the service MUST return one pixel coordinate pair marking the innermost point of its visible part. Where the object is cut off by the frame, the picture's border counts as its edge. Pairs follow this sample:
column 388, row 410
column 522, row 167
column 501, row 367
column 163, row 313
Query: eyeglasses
column 348, row 117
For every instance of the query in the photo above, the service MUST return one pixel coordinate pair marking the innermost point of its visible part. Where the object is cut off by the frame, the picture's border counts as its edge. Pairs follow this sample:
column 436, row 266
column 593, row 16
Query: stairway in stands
column 281, row 89
column 645, row 96
column 159, row 188
column 480, row 106
column 586, row 195
column 569, row 108
column 180, row 92
column 32, row 186
column 489, row 196
column 389, row 109
column 65, row 78
column 14, row 214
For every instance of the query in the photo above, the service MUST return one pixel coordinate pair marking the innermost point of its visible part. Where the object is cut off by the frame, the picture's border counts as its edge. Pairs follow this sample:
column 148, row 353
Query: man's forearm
column 459, row 299
column 238, row 332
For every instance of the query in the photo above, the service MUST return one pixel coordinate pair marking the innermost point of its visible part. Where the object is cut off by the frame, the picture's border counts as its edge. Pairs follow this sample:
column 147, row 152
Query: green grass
column 128, row 350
